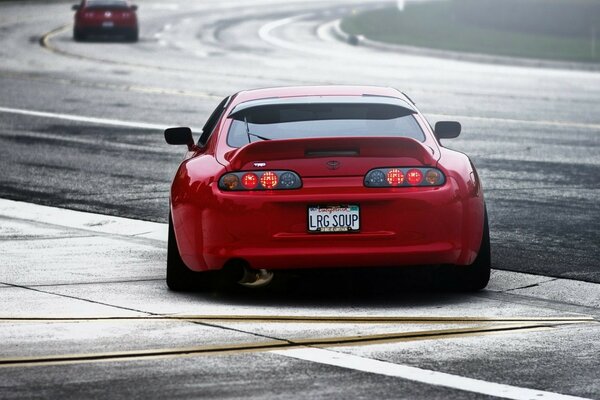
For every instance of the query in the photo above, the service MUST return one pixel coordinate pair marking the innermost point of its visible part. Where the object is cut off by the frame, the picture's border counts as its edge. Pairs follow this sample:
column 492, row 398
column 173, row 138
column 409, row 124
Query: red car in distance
column 323, row 177
column 105, row 18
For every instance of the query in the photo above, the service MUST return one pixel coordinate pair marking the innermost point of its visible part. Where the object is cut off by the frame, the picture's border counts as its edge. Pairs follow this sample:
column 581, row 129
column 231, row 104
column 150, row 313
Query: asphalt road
column 92, row 318
column 533, row 133
column 81, row 128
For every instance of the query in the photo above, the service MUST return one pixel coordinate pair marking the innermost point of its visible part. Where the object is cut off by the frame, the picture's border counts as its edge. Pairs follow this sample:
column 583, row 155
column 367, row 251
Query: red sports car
column 105, row 17
column 323, row 177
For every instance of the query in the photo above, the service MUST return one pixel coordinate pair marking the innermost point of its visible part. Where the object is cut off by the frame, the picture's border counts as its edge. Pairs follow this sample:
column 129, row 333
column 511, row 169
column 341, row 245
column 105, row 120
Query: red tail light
column 249, row 180
column 268, row 180
column 414, row 176
column 395, row 177
column 260, row 180
column 402, row 177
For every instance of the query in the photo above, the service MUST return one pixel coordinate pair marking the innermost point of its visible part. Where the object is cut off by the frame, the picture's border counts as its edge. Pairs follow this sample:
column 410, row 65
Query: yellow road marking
column 304, row 319
column 46, row 44
column 361, row 340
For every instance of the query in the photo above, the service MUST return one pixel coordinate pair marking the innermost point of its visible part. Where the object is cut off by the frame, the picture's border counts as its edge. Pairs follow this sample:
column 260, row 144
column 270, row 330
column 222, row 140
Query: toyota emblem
column 333, row 164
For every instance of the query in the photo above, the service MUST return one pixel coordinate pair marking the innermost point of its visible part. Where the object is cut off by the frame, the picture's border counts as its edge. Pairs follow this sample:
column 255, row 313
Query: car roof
column 330, row 90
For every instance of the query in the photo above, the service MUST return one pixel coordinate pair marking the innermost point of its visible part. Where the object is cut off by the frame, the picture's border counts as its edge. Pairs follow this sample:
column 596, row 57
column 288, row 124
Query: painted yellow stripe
column 361, row 340
column 305, row 319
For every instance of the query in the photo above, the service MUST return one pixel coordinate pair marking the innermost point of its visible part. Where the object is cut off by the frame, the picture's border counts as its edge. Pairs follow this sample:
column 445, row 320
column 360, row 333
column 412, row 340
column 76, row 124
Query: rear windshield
column 295, row 121
column 107, row 4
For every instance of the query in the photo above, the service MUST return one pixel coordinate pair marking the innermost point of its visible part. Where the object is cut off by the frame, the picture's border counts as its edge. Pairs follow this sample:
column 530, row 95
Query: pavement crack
column 78, row 298
column 258, row 335
column 96, row 282
column 532, row 285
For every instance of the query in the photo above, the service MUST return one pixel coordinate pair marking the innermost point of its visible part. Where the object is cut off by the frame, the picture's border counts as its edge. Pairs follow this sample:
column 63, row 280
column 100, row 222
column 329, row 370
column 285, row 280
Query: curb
column 360, row 40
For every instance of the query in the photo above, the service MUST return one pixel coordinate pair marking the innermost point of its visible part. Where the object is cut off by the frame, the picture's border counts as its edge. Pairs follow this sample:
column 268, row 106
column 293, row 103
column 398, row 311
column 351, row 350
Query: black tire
column 133, row 36
column 78, row 36
column 477, row 275
column 179, row 276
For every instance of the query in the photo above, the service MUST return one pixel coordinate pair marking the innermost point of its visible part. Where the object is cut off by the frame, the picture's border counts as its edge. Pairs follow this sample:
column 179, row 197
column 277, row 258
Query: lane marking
column 267, row 346
column 307, row 319
column 265, row 34
column 105, row 144
column 79, row 118
column 430, row 377
column 45, row 42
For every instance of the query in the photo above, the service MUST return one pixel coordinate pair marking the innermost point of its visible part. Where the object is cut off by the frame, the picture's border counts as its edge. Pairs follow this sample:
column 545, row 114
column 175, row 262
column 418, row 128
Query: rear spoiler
column 272, row 150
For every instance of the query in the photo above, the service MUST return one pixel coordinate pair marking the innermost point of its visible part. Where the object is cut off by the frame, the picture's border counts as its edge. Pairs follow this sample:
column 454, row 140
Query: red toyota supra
column 105, row 18
column 323, row 177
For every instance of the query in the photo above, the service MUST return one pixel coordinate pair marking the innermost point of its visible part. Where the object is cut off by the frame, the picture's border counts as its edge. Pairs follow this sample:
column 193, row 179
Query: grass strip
column 562, row 30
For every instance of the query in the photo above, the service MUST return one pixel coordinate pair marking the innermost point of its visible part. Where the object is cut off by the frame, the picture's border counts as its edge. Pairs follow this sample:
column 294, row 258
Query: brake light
column 260, row 180
column 269, row 180
column 395, row 177
column 403, row 177
column 249, row 180
column 414, row 176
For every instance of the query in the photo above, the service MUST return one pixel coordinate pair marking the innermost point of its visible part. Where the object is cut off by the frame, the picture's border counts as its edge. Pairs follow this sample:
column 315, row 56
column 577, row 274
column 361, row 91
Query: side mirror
column 75, row 7
column 134, row 7
column 447, row 129
column 181, row 135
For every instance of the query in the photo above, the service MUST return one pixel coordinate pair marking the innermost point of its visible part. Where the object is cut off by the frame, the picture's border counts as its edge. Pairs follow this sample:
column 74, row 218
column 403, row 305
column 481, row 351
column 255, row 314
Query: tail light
column 414, row 177
column 260, row 180
column 403, row 177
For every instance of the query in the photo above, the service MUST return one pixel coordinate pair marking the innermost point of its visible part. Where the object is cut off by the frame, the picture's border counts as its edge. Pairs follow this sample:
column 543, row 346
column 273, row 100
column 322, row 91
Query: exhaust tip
column 255, row 278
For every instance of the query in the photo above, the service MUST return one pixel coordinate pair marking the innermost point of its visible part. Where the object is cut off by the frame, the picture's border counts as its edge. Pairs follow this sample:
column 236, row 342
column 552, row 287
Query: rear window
column 107, row 4
column 295, row 121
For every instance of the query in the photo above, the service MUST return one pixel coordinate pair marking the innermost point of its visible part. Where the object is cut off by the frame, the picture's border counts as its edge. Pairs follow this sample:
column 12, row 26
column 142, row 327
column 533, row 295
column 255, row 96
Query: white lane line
column 435, row 378
column 144, row 125
column 265, row 34
column 79, row 118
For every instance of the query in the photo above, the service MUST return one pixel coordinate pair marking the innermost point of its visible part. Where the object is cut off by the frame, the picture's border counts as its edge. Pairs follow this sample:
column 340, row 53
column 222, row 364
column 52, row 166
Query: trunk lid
column 326, row 157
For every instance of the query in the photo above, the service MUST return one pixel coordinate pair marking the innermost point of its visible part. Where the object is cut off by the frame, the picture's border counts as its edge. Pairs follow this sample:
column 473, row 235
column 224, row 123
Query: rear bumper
column 399, row 227
column 98, row 29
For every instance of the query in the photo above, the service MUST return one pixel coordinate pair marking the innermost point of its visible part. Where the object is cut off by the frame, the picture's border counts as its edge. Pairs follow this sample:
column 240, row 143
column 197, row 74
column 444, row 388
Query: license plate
column 340, row 218
column 108, row 24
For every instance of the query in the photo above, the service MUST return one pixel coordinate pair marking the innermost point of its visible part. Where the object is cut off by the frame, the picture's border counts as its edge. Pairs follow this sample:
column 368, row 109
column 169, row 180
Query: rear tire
column 179, row 276
column 78, row 36
column 133, row 36
column 476, row 276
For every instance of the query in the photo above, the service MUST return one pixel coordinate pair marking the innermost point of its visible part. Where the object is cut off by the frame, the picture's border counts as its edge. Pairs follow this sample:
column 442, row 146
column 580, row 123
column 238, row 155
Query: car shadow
column 105, row 39
column 422, row 286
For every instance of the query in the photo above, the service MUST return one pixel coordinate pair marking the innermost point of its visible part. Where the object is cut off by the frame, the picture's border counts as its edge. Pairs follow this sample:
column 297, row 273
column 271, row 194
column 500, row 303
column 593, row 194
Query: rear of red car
column 106, row 18
column 326, row 182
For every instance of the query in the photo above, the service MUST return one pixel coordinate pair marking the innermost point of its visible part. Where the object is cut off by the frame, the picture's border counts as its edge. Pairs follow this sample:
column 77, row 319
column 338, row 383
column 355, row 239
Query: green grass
column 543, row 29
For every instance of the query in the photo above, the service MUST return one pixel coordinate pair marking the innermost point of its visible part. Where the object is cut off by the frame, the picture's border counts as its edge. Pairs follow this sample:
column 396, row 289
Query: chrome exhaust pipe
column 255, row 278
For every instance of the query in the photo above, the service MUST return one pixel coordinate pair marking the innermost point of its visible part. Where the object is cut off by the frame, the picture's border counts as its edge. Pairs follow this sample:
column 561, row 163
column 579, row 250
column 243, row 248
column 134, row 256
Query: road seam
column 269, row 346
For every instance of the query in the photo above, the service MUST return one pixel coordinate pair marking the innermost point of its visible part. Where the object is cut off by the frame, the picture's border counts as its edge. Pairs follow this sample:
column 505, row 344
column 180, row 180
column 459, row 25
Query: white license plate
column 342, row 218
column 108, row 24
